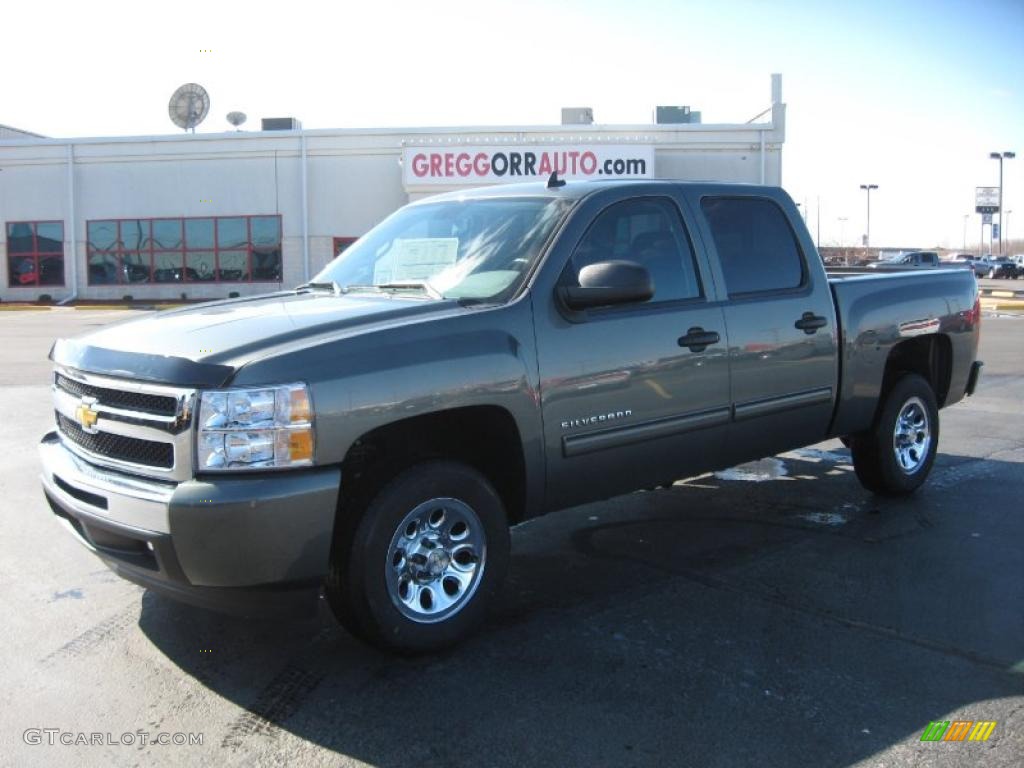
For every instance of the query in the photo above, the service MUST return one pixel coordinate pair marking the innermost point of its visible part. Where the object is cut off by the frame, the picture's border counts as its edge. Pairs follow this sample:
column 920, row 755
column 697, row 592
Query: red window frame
column 150, row 251
column 35, row 254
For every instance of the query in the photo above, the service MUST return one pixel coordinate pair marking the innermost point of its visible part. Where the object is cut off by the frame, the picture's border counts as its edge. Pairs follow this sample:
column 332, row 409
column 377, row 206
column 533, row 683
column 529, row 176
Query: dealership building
column 207, row 215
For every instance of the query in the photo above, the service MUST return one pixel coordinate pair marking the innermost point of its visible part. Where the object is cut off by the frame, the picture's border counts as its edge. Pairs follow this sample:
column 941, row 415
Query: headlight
column 255, row 428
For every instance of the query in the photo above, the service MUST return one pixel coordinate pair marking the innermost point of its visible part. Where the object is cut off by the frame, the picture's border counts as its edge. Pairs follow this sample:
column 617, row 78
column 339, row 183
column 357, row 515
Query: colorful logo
column 959, row 730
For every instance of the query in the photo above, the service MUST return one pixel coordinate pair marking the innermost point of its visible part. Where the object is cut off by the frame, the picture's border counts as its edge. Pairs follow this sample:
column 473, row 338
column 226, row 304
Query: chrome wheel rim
column 912, row 437
column 436, row 560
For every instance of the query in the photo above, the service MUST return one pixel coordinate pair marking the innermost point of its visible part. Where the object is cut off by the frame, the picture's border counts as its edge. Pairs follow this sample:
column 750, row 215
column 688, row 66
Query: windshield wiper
column 420, row 285
column 405, row 285
column 322, row 286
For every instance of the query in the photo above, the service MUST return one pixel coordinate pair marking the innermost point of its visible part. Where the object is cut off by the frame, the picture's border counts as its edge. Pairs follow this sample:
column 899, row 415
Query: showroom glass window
column 213, row 249
column 35, row 253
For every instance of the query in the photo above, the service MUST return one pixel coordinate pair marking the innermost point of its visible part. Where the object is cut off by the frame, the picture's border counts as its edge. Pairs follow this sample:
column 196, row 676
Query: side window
column 756, row 247
column 647, row 231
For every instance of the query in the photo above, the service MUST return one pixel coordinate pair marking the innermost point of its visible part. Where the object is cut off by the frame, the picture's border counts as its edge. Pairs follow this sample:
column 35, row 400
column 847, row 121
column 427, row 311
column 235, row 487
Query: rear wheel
column 896, row 455
column 428, row 552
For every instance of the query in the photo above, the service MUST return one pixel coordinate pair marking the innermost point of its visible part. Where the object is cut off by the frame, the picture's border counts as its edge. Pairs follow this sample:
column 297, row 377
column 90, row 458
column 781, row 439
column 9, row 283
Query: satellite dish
column 189, row 106
column 236, row 118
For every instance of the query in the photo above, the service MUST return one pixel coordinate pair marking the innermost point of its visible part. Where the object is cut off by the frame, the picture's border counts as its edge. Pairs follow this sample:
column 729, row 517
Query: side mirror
column 608, row 283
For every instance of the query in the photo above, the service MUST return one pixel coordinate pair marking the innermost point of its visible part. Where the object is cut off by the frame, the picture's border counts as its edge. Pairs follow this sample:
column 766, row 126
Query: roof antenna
column 554, row 181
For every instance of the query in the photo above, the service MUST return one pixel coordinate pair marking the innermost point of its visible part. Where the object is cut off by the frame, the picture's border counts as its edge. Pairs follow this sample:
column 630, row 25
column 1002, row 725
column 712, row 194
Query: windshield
column 479, row 249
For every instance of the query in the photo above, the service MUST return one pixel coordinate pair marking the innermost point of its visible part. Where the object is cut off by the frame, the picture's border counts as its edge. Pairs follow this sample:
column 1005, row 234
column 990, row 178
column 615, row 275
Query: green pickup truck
column 477, row 359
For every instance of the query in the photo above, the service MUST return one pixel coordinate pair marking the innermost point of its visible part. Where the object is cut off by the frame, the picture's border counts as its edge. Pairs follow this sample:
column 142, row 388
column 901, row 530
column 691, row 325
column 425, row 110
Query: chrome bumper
column 88, row 490
column 236, row 544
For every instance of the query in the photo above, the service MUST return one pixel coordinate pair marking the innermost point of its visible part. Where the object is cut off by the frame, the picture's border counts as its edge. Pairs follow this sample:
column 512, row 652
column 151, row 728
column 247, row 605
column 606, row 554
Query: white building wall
column 354, row 179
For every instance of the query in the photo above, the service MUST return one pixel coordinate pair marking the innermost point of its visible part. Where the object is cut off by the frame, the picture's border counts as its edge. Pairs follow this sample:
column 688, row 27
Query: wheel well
column 928, row 356
column 485, row 437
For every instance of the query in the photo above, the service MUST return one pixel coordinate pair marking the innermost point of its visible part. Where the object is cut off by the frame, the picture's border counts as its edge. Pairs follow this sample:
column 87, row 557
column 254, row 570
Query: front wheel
column 894, row 457
column 429, row 551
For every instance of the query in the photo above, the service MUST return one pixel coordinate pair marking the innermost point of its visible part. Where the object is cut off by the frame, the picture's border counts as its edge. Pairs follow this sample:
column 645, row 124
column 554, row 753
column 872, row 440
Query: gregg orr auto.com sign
column 464, row 165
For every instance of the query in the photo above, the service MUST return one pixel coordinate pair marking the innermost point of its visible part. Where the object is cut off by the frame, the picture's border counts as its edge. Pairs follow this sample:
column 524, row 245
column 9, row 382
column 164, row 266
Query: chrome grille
column 131, row 449
column 161, row 405
column 133, row 426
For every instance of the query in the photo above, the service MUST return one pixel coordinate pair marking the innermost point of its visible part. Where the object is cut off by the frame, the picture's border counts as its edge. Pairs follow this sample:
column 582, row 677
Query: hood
column 204, row 345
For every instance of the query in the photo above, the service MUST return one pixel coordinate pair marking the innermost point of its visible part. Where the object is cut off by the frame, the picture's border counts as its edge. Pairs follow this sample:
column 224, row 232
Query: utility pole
column 867, row 188
column 817, row 236
column 999, row 156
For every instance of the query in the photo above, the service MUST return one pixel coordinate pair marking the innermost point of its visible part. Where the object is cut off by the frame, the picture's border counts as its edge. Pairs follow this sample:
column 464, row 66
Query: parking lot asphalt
column 773, row 615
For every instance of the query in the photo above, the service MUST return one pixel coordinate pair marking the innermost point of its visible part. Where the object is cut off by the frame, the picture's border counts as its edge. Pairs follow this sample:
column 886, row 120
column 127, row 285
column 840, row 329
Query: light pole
column 867, row 188
column 999, row 156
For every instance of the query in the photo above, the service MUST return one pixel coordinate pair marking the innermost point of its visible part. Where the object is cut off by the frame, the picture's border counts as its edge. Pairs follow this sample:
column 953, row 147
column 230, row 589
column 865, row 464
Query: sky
column 909, row 95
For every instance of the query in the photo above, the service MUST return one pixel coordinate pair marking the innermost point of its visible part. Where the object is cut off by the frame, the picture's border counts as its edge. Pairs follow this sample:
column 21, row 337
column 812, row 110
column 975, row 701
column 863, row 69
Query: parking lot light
column 1000, row 156
column 867, row 235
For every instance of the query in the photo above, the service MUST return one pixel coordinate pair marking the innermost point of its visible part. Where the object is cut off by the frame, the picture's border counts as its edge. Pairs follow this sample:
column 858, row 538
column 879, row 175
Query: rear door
column 780, row 318
column 635, row 394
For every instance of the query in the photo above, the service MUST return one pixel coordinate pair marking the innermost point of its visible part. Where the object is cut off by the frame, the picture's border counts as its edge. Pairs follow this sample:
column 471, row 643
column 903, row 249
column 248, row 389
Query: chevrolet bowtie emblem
column 86, row 416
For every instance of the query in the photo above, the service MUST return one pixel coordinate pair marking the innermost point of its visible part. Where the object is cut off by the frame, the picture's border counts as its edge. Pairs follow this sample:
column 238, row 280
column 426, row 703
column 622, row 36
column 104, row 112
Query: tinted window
column 232, row 233
column 755, row 245
column 167, row 234
column 35, row 253
column 649, row 232
column 174, row 250
column 102, row 235
column 134, row 234
column 199, row 233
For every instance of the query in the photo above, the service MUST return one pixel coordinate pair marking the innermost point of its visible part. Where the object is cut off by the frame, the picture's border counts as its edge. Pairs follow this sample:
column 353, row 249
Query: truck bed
column 877, row 310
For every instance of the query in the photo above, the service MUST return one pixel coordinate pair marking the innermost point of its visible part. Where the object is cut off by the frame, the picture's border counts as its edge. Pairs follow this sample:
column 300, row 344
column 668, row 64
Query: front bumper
column 257, row 544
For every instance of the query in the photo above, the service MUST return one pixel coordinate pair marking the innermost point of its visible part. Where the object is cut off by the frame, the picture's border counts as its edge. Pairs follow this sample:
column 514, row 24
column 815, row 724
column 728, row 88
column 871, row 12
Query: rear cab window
column 756, row 246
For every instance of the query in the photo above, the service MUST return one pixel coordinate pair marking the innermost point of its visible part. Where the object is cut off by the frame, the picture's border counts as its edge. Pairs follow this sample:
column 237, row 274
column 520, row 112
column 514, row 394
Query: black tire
column 357, row 586
column 874, row 452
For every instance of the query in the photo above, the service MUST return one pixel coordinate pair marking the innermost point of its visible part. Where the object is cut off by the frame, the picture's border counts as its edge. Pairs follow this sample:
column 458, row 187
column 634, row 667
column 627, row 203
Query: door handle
column 810, row 323
column 697, row 339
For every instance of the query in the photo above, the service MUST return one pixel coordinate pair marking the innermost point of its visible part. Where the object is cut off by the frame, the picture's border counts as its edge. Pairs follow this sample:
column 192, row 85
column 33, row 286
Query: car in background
column 911, row 260
column 1003, row 267
column 980, row 265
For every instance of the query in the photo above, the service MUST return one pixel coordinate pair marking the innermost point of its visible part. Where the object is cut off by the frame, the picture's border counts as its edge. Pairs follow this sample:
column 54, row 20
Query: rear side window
column 755, row 244
column 647, row 231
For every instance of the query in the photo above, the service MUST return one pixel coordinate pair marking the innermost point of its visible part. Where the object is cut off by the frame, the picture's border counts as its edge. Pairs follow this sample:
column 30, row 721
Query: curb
column 147, row 307
column 992, row 303
column 24, row 308
column 1000, row 293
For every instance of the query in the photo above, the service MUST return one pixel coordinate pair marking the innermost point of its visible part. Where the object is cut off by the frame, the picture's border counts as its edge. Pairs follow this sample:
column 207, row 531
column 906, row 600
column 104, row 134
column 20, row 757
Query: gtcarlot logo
column 59, row 737
column 959, row 730
column 482, row 165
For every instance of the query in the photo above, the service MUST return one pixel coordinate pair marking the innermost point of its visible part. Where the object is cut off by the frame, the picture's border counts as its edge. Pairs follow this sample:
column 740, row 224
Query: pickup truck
column 912, row 260
column 477, row 359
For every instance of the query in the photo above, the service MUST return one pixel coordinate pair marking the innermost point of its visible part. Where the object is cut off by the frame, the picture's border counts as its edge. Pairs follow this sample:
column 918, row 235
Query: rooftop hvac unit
column 577, row 116
column 280, row 124
column 675, row 115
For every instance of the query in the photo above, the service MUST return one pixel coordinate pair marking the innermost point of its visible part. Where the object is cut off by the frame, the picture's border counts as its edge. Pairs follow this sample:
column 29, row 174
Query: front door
column 637, row 394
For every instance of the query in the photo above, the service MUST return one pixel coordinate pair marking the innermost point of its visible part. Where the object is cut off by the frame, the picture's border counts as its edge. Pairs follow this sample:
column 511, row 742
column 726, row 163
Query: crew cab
column 477, row 359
